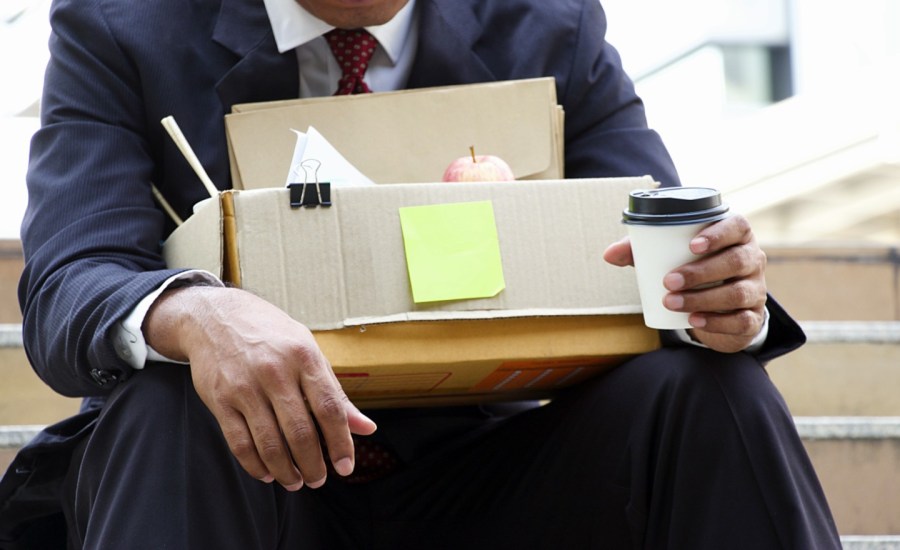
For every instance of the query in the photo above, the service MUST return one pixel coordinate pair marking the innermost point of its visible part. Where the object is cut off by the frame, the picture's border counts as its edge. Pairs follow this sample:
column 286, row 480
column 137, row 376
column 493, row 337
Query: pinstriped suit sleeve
column 91, row 233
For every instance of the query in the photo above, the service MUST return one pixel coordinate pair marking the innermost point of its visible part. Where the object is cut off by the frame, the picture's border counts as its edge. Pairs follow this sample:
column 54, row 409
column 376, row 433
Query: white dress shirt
column 297, row 29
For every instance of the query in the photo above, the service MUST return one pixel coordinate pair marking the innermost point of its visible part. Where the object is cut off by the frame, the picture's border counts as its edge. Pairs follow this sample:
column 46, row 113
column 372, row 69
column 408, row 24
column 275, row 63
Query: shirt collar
column 294, row 26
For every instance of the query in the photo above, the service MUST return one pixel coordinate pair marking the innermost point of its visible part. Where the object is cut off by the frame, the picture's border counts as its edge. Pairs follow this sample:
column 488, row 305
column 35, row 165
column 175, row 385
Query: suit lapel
column 261, row 73
column 448, row 32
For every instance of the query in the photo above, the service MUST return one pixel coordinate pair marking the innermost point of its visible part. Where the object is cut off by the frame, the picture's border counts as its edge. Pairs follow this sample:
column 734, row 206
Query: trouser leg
column 680, row 448
column 156, row 473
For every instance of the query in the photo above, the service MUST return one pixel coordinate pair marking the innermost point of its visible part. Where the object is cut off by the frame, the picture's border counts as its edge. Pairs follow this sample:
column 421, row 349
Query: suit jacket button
column 103, row 377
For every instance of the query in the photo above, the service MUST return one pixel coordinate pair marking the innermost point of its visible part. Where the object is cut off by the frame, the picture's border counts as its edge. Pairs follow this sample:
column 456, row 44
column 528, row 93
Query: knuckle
column 742, row 225
column 241, row 447
column 331, row 407
column 302, row 433
column 304, row 354
column 270, row 450
column 740, row 261
column 741, row 222
column 271, row 370
column 242, row 387
column 747, row 323
column 742, row 295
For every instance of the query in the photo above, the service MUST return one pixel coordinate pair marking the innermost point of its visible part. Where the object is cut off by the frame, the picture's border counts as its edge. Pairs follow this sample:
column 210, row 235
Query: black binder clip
column 310, row 194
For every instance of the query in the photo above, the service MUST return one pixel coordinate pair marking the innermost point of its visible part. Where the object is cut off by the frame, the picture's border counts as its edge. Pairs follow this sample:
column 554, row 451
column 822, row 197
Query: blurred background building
column 789, row 106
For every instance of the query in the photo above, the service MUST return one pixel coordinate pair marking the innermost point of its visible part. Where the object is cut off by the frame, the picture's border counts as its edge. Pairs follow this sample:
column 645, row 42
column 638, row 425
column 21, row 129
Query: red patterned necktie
column 353, row 49
column 373, row 460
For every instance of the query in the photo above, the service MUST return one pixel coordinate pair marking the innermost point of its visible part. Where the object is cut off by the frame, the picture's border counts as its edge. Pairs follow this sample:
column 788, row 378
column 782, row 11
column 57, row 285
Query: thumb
column 359, row 423
column 619, row 253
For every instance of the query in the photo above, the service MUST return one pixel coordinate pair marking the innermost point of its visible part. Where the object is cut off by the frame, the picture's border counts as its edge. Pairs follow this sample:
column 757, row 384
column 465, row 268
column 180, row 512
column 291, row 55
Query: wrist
column 175, row 320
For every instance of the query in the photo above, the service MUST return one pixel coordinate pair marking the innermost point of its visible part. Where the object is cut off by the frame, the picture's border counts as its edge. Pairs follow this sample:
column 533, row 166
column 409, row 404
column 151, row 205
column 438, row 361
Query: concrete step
column 848, row 368
column 24, row 398
column 858, row 461
column 870, row 543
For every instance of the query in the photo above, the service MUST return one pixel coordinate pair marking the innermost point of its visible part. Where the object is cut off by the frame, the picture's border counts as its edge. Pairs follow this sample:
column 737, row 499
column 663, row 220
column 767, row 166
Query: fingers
column 301, row 439
column 242, row 445
column 328, row 403
column 727, row 317
column 336, row 416
column 314, row 404
column 277, row 437
column 737, row 262
column 270, row 446
column 274, row 431
column 738, row 294
column 743, row 323
column 254, row 433
column 358, row 423
column 718, row 236
column 725, row 290
column 731, row 253
column 265, row 379
column 619, row 253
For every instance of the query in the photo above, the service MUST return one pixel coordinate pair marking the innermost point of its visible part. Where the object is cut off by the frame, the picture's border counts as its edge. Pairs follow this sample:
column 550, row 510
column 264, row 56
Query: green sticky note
column 452, row 251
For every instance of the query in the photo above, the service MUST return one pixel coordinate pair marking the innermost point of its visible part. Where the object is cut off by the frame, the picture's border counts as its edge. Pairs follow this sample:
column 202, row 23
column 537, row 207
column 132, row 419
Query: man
column 686, row 447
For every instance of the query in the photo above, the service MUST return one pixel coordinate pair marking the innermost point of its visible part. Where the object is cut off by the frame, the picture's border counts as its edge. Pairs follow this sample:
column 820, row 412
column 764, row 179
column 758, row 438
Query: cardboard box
column 518, row 121
column 562, row 315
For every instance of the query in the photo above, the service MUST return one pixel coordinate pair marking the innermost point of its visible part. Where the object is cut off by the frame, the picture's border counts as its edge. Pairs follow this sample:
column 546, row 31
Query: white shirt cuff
column 130, row 344
column 754, row 346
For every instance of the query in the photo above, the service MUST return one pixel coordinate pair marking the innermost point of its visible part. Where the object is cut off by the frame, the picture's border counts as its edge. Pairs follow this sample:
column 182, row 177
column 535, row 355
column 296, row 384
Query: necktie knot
column 352, row 49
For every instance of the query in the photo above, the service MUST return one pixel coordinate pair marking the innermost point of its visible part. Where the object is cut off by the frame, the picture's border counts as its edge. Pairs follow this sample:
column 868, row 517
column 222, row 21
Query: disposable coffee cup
column 661, row 224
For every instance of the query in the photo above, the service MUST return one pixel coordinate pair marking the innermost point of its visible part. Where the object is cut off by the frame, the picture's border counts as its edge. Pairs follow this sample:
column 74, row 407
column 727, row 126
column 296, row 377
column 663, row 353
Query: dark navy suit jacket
column 92, row 231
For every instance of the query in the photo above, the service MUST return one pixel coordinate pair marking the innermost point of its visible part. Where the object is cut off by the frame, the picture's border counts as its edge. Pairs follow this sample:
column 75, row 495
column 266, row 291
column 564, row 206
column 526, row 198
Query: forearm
column 69, row 320
column 185, row 317
column 92, row 241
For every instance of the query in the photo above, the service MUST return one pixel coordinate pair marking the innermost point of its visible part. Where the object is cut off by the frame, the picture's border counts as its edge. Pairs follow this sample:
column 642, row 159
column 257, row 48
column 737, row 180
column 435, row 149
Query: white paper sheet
column 315, row 159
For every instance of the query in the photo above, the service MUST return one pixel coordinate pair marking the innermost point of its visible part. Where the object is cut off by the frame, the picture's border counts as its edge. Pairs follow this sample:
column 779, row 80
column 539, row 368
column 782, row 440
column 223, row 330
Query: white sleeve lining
column 129, row 343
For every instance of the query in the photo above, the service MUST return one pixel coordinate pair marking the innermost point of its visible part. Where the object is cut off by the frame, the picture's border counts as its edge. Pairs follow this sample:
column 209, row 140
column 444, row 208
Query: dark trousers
column 681, row 448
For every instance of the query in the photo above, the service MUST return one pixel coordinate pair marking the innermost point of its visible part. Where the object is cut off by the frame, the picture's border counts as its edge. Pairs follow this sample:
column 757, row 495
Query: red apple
column 478, row 168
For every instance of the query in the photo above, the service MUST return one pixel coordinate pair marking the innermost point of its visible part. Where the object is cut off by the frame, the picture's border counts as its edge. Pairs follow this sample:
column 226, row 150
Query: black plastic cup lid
column 674, row 206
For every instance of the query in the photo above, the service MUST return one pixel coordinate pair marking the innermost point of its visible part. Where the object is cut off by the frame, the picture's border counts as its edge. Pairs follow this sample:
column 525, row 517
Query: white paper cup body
column 657, row 250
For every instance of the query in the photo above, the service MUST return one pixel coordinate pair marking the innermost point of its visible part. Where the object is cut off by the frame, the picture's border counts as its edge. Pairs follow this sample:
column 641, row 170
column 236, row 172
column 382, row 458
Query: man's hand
column 725, row 317
column 263, row 377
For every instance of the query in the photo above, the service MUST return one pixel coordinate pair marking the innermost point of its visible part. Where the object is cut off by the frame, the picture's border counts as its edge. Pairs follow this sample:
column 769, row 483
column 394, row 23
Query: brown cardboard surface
column 437, row 362
column 518, row 121
column 341, row 270
column 345, row 265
